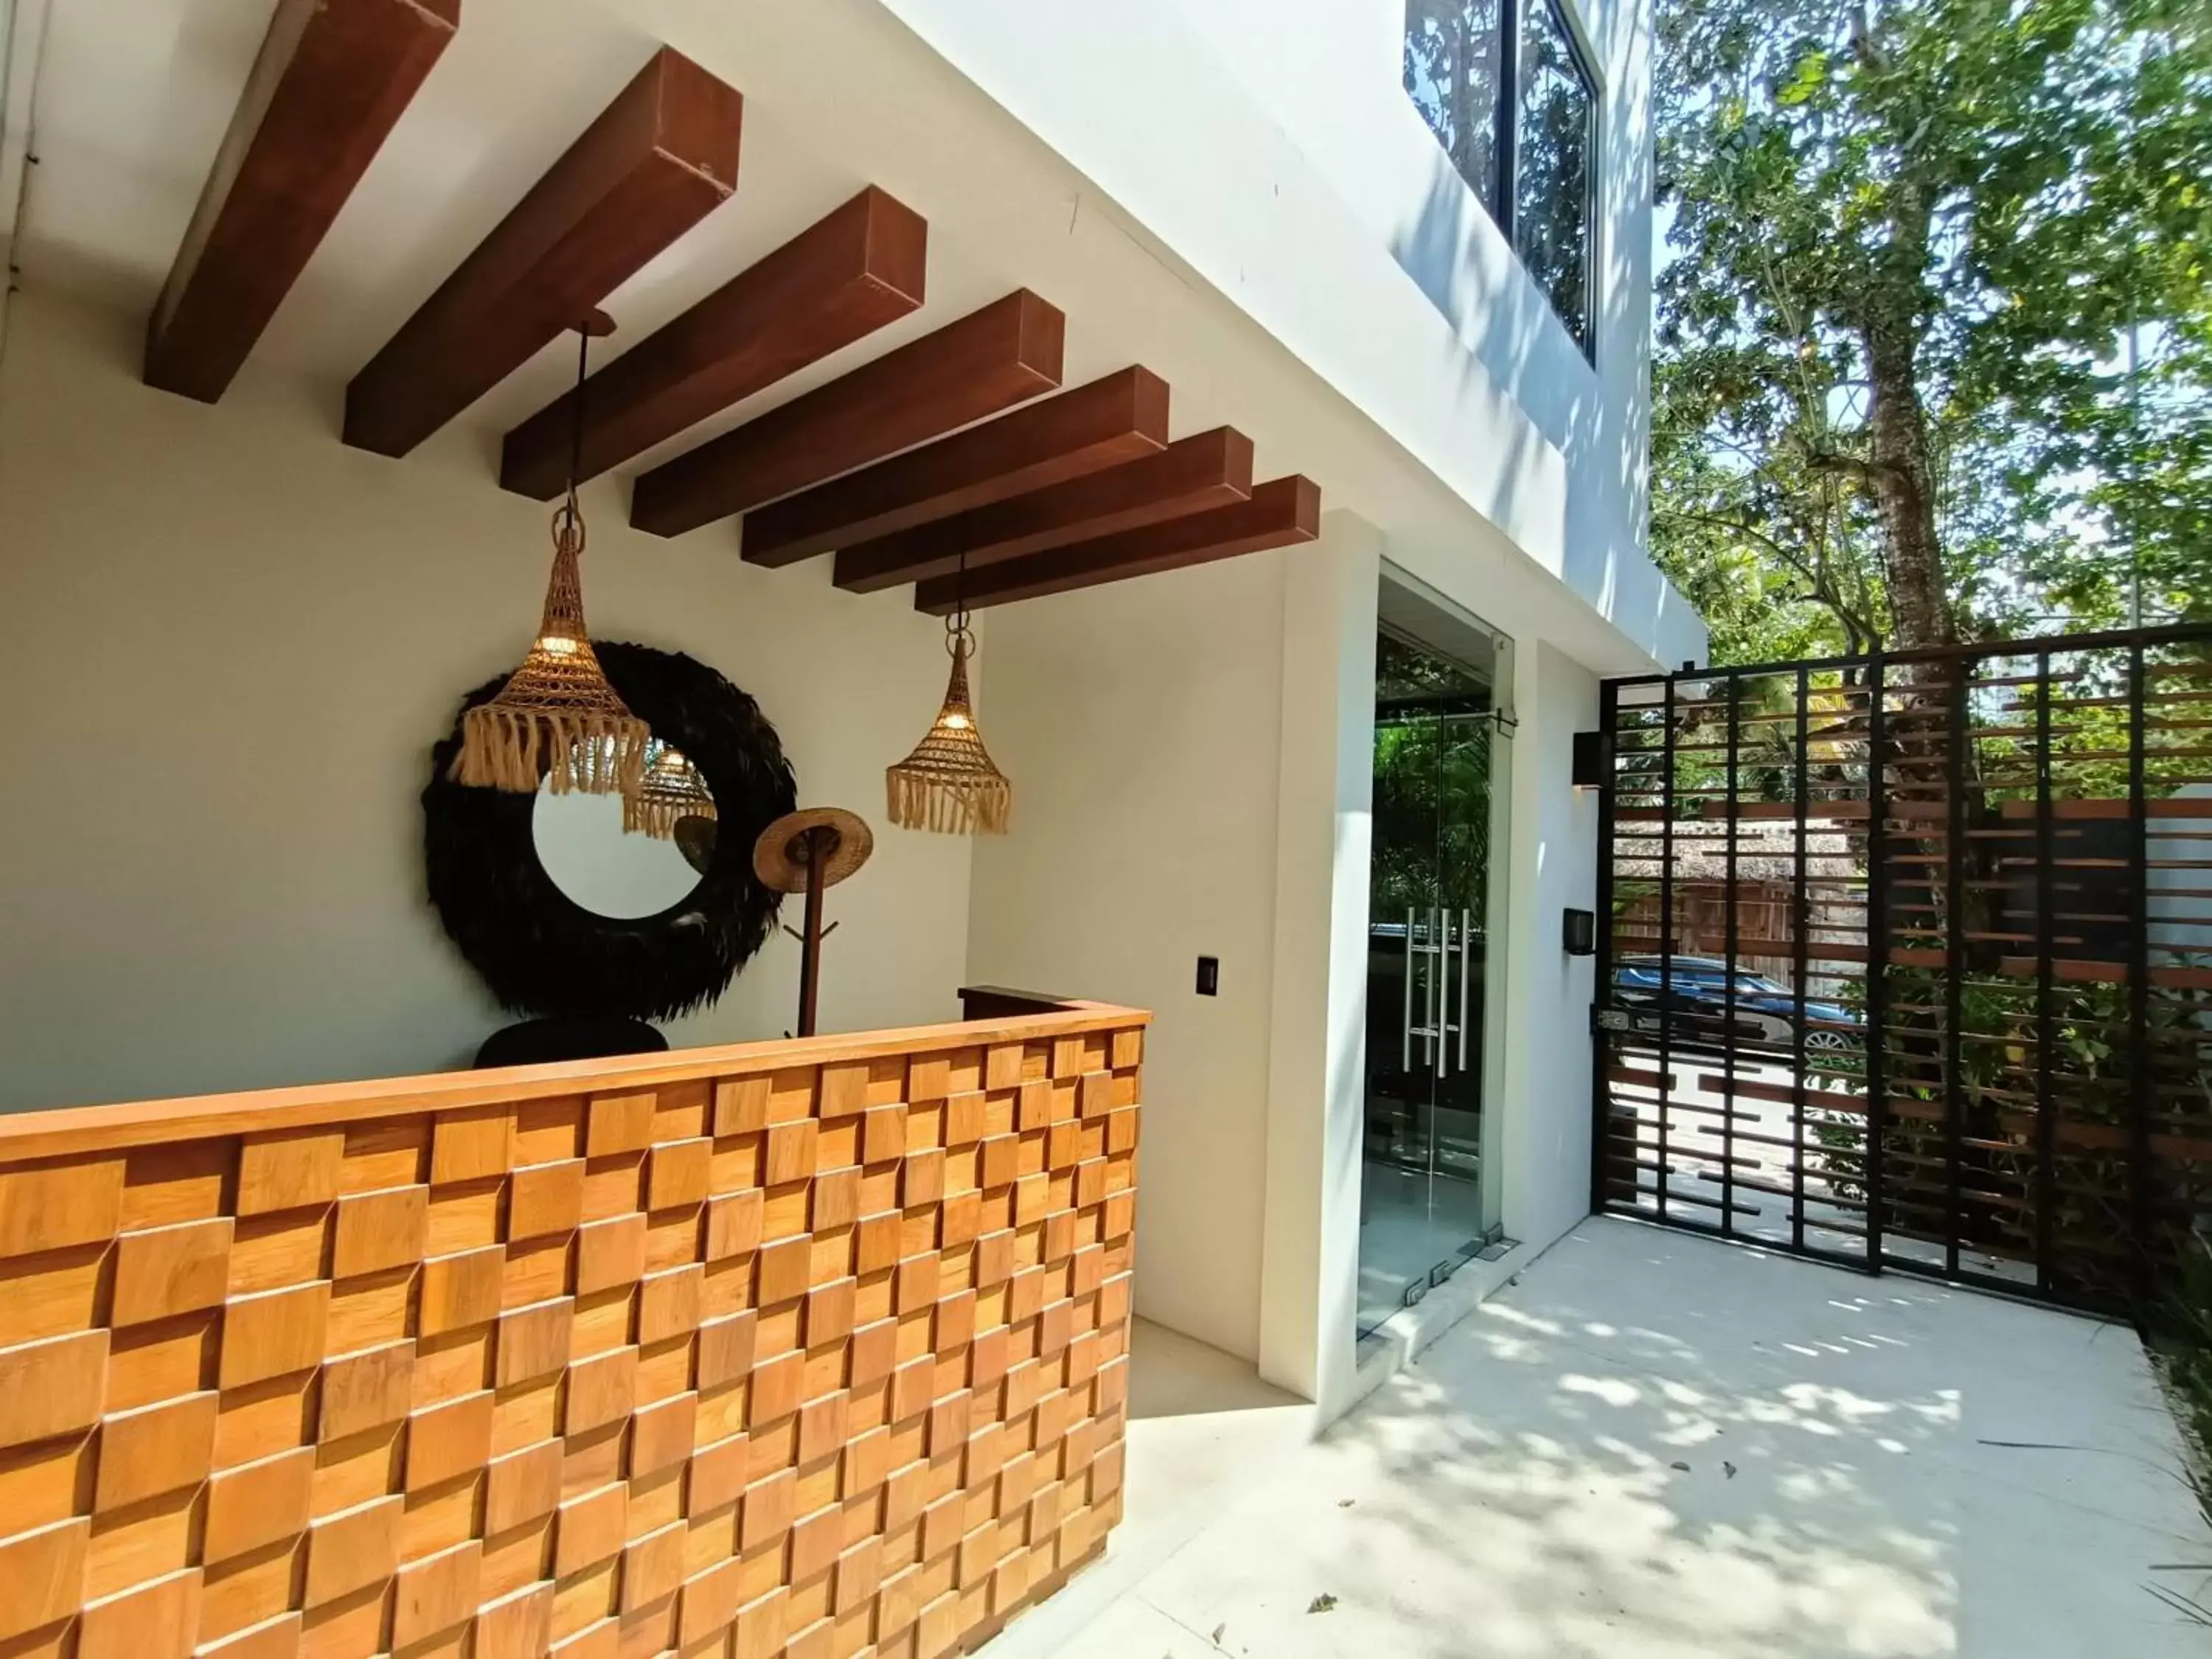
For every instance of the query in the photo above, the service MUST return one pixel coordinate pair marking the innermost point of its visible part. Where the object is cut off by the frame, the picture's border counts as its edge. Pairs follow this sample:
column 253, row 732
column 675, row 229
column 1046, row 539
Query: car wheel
column 1826, row 1058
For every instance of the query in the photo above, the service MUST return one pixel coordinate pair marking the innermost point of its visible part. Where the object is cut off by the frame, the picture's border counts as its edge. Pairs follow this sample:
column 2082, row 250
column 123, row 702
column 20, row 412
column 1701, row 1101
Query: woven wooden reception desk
column 813, row 1348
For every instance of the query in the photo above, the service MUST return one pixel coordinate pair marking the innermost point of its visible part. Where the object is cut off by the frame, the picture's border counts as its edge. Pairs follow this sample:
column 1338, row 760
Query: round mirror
column 624, row 858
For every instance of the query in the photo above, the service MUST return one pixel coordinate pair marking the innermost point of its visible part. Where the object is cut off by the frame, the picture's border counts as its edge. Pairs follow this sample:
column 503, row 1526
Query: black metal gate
column 1906, row 960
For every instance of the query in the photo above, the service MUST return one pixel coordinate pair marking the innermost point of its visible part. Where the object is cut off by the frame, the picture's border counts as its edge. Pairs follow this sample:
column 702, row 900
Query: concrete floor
column 1656, row 1446
column 1203, row 1429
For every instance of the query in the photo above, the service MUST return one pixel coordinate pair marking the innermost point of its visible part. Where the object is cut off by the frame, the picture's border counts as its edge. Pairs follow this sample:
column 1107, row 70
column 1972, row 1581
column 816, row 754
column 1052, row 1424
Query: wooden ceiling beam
column 331, row 80
column 658, row 160
column 1282, row 511
column 1120, row 417
column 988, row 361
column 841, row 279
column 1207, row 470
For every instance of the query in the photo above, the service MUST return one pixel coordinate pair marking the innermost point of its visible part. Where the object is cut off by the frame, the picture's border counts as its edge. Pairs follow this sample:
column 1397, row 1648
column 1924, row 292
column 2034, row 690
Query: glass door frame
column 1437, row 953
column 1500, row 918
column 1499, row 1001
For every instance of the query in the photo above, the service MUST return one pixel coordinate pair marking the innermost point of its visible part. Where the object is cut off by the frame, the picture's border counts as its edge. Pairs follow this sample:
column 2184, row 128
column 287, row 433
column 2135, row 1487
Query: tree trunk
column 1900, row 471
column 1918, row 764
column 1901, row 478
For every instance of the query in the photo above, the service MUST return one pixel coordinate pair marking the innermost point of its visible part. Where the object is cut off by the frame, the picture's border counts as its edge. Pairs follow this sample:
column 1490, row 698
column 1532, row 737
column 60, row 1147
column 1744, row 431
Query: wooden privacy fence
column 808, row 1349
column 1991, row 1060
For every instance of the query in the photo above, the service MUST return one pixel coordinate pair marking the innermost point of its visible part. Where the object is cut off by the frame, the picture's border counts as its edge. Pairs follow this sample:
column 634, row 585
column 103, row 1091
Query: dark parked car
column 1762, row 1013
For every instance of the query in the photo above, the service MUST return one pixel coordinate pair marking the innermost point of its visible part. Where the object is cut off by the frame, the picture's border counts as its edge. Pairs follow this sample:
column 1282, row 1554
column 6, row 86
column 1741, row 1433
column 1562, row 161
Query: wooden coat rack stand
column 810, row 851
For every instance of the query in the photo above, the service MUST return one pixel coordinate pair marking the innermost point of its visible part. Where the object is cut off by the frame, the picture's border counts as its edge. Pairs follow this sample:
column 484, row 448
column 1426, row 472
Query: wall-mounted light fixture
column 1591, row 755
column 1580, row 933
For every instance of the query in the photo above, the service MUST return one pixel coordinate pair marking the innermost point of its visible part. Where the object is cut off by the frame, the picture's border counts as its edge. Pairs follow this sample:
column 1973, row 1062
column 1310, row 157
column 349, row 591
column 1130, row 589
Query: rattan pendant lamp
column 948, row 784
column 557, row 719
column 672, row 791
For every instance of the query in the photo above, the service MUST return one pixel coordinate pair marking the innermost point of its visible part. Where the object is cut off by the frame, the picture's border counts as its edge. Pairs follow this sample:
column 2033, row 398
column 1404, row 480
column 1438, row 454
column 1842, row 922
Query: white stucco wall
column 1138, row 723
column 1331, row 74
column 1193, row 756
column 1179, row 747
column 1544, row 1187
column 234, row 641
column 1316, row 1087
column 1273, row 152
column 1275, row 156
column 1239, row 196
column 215, row 882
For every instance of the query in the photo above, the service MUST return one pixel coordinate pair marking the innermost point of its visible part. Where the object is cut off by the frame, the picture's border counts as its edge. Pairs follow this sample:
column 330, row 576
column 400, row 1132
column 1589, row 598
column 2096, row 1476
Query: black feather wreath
column 540, row 951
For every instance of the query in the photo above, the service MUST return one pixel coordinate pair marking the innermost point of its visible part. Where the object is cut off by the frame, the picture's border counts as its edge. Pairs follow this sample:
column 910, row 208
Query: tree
column 1892, row 399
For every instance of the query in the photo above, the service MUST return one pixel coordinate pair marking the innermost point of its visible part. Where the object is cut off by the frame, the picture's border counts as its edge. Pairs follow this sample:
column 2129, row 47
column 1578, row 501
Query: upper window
column 1521, row 126
column 1452, row 77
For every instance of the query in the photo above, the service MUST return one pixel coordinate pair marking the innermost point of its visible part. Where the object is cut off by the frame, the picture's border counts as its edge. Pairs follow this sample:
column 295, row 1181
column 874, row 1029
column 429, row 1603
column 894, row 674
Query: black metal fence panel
column 1906, row 960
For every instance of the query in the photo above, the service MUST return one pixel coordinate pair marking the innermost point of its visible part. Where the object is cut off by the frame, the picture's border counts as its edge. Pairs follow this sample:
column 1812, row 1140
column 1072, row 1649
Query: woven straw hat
column 779, row 854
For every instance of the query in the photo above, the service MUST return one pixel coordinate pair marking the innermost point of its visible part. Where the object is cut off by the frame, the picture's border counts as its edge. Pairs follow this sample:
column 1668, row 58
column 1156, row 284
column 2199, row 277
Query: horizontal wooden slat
column 1210, row 468
column 331, row 80
column 988, row 360
column 840, row 280
column 1281, row 512
column 2079, row 972
column 2182, row 806
column 1693, row 941
column 1699, row 812
column 658, row 160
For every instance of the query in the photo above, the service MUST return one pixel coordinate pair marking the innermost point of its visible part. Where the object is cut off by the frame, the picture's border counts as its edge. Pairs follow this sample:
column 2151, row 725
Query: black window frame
column 1505, row 132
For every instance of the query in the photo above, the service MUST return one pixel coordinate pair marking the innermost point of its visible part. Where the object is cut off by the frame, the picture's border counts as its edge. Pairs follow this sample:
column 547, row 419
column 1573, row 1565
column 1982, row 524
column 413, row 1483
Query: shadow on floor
column 1655, row 1446
column 1171, row 1375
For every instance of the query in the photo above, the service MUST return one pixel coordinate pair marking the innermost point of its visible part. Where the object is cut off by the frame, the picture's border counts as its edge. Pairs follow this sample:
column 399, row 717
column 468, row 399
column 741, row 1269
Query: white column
column 1309, row 1270
column 1544, row 1118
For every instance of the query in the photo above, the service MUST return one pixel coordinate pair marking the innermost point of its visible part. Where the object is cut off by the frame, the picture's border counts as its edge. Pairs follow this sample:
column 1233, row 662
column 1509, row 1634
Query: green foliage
column 2089, row 1079
column 1908, row 244
column 2184, row 1340
column 1431, row 811
column 1934, row 360
column 1432, row 815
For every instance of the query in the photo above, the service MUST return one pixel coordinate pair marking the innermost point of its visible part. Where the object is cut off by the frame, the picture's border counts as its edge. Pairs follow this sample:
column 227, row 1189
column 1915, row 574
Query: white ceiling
column 133, row 97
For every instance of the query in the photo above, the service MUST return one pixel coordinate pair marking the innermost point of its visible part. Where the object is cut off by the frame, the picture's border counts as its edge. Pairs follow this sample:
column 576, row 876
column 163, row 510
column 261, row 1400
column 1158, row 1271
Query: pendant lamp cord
column 959, row 638
column 576, row 424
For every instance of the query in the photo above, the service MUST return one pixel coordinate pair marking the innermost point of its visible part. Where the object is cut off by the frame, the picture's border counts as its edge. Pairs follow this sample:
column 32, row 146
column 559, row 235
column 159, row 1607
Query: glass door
column 1422, row 1208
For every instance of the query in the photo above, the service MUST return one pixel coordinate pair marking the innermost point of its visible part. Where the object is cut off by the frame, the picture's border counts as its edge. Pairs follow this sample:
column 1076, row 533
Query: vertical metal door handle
column 1406, row 1002
column 1466, row 944
column 1429, row 1001
column 1440, row 932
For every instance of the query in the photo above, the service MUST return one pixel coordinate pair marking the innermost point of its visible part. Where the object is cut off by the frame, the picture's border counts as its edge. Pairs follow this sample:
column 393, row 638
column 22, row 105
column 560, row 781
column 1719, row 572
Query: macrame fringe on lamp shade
column 948, row 784
column 672, row 791
column 557, row 719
